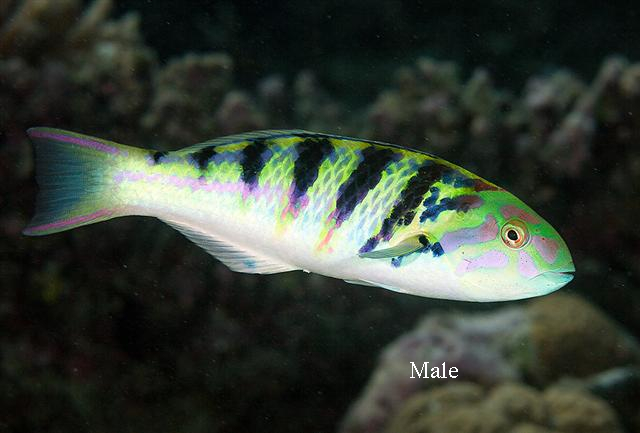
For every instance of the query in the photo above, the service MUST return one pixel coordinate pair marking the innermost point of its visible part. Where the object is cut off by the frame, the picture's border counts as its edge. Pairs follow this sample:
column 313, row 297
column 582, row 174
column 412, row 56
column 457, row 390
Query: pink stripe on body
column 490, row 260
column 294, row 208
column 526, row 266
column 267, row 192
column 485, row 232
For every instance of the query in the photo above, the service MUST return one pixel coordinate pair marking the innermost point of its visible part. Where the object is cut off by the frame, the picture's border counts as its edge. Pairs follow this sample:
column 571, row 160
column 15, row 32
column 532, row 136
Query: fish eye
column 515, row 234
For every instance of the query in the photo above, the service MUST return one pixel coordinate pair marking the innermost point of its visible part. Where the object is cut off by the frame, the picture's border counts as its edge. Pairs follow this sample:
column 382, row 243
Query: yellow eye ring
column 515, row 234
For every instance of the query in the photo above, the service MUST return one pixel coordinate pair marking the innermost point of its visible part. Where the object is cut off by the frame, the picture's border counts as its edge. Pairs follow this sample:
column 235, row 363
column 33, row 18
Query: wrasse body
column 276, row 201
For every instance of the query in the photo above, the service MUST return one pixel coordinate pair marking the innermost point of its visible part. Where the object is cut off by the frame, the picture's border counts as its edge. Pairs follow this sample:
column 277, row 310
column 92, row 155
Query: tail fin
column 72, row 173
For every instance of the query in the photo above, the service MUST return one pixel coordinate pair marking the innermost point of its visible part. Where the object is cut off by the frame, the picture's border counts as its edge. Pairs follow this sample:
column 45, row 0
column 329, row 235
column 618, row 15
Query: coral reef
column 621, row 388
column 509, row 407
column 187, row 93
column 59, row 67
column 566, row 327
column 177, row 342
column 480, row 346
column 551, row 338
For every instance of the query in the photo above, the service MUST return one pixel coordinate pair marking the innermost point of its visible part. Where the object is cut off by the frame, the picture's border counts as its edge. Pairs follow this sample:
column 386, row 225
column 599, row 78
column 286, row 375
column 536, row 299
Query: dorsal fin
column 280, row 133
column 239, row 138
column 236, row 258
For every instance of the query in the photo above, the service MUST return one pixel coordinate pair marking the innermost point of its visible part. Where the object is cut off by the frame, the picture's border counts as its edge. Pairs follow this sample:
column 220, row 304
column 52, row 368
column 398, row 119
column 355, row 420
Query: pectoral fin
column 407, row 246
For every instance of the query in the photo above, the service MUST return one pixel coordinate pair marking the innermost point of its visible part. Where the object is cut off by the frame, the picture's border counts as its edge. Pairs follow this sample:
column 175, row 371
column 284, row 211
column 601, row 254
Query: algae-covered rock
column 570, row 336
column 62, row 66
column 518, row 402
column 468, row 408
column 550, row 338
column 573, row 411
column 118, row 68
column 530, row 428
column 485, row 347
column 187, row 93
column 238, row 113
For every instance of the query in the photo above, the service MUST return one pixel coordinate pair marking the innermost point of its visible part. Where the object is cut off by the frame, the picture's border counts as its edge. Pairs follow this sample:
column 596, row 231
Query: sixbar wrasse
column 274, row 201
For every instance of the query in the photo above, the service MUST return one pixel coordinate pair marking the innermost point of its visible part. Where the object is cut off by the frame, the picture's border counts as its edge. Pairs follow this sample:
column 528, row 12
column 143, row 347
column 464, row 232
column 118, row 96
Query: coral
column 313, row 109
column 422, row 106
column 37, row 26
column 111, row 77
column 567, row 327
column 59, row 66
column 519, row 403
column 187, row 93
column 621, row 388
column 486, row 348
column 39, row 30
column 274, row 98
column 178, row 340
column 577, row 412
column 194, row 100
column 237, row 113
column 518, row 343
column 509, row 407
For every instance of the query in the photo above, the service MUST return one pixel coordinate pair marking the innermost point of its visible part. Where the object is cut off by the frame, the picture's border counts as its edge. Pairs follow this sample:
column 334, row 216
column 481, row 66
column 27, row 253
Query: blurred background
column 126, row 326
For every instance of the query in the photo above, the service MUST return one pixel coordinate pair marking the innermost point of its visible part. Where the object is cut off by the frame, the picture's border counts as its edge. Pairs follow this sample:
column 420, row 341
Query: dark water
column 355, row 46
column 126, row 326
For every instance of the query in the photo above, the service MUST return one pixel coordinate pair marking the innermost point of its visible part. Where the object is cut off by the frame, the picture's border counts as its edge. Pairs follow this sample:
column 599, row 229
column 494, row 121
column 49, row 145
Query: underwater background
column 127, row 327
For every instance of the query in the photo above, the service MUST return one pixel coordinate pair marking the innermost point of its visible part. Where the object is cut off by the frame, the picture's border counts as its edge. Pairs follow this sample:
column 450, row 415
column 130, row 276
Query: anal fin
column 236, row 258
column 374, row 284
column 362, row 283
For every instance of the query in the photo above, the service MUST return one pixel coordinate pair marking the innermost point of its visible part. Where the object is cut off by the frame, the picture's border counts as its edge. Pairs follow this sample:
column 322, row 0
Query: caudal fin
column 72, row 171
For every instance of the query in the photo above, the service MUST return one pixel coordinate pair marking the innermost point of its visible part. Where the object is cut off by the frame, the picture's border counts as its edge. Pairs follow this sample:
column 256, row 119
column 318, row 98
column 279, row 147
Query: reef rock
column 569, row 336
column 550, row 338
column 468, row 408
column 187, row 93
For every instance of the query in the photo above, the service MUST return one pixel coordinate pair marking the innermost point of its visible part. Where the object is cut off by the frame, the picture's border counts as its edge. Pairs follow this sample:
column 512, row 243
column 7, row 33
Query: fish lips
column 553, row 280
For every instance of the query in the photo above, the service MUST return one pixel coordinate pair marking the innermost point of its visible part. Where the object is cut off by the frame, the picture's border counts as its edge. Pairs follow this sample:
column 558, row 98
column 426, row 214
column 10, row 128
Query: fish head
column 500, row 249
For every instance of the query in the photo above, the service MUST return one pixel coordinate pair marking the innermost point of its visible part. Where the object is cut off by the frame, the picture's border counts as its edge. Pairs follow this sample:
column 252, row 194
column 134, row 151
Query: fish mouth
column 556, row 276
column 551, row 281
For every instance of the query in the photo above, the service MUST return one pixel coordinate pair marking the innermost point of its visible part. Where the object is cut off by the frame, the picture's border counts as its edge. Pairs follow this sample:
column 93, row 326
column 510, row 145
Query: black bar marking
column 202, row 157
column 157, row 156
column 364, row 178
column 311, row 154
column 410, row 200
column 254, row 158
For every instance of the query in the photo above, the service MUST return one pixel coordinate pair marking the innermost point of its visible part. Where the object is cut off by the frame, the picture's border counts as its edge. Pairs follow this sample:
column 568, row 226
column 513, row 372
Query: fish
column 266, row 202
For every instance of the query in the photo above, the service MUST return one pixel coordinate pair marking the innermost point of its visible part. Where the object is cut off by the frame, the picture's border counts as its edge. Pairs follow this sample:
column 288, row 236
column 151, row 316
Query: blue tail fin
column 72, row 174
